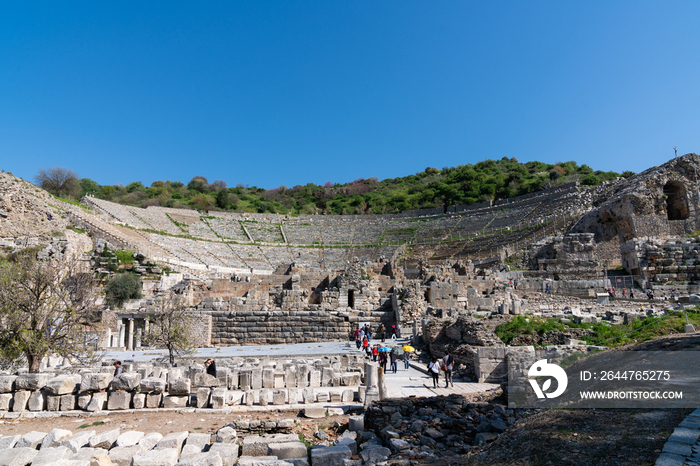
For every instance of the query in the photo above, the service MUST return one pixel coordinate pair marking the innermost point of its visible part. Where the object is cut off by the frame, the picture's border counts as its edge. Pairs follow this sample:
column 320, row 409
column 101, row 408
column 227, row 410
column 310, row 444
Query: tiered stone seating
column 264, row 232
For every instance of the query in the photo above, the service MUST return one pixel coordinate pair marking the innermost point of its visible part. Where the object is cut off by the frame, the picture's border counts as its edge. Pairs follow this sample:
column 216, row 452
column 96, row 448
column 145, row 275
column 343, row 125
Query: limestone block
column 268, row 375
column 198, row 440
column 249, row 398
column 219, row 397
column 153, row 400
column 95, row 382
column 202, row 379
column 162, row 457
column 179, row 387
column 7, row 383
column 246, row 379
column 315, row 412
column 203, row 397
column 174, row 401
column 255, row 445
column 122, row 455
column 172, row 441
column 101, row 459
column 84, row 399
column 19, row 401
column 139, row 400
column 264, row 395
column 98, row 402
column 234, row 397
column 285, row 450
column 150, row 440
column 51, row 455
column 63, row 384
column 17, row 456
column 201, row 459
column 302, row 375
column 348, row 396
column 152, row 385
column 315, row 379
column 227, row 451
column 54, row 438
column 256, row 383
column 119, row 401
column 279, row 379
column 104, row 440
column 9, row 441
column 126, row 381
column 279, row 397
column 309, row 395
column 351, row 379
column 37, row 401
column 335, row 396
column 5, row 401
column 322, row 397
column 68, row 402
column 226, row 435
column 87, row 454
column 326, row 377
column 294, row 395
column 34, row 381
column 129, row 439
column 290, row 376
column 330, row 456
column 30, row 440
column 78, row 440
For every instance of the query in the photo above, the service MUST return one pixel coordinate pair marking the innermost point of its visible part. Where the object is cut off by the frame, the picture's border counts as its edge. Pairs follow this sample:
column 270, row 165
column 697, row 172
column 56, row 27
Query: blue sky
column 271, row 93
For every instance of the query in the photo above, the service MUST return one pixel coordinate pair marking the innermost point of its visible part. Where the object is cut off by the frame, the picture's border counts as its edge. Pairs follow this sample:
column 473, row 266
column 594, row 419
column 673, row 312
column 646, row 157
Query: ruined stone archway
column 676, row 201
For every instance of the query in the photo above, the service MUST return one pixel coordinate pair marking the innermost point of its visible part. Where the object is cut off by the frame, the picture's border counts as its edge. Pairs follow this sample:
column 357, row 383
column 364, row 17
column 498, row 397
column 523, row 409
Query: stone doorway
column 676, row 201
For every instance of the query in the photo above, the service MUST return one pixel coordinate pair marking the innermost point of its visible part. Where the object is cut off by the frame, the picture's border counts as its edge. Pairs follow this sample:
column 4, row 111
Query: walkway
column 413, row 382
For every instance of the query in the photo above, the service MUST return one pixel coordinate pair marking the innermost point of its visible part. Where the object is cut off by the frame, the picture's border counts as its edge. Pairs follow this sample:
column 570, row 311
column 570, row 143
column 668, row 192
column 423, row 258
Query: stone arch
column 676, row 200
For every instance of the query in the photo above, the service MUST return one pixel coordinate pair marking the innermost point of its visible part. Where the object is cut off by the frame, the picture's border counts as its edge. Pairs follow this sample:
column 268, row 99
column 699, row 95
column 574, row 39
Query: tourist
column 365, row 344
column 393, row 357
column 447, row 365
column 623, row 294
column 211, row 367
column 393, row 332
column 117, row 368
column 515, row 285
column 358, row 342
column 382, row 332
column 369, row 332
column 375, row 352
column 382, row 361
column 406, row 359
column 434, row 371
column 631, row 293
column 547, row 289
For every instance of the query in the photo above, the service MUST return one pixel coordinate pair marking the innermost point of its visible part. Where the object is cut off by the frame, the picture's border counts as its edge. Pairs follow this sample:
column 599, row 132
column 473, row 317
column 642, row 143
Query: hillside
column 465, row 184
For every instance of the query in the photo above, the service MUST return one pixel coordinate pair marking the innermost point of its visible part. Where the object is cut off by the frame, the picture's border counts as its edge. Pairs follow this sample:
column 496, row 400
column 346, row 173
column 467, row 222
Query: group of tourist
column 363, row 335
column 446, row 364
column 380, row 353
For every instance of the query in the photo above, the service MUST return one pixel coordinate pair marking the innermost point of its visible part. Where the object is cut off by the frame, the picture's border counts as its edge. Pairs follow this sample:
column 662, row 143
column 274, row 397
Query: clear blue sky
column 270, row 93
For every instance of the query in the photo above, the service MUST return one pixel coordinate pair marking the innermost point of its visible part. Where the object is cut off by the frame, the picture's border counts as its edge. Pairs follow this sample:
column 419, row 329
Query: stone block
column 31, row 440
column 246, row 379
column 227, row 451
column 63, row 384
column 152, row 385
column 315, row 379
column 119, row 401
column 9, row 441
column 104, row 439
column 226, row 435
column 87, row 454
column 55, row 437
column 69, row 402
column 202, row 379
column 322, row 397
column 259, row 446
column 51, row 455
column 162, row 457
column 309, row 395
column 95, row 382
column 335, row 396
column 19, row 401
column 256, row 381
column 294, row 396
column 290, row 376
column 179, row 387
column 348, row 396
column 174, row 401
column 126, row 381
column 17, row 456
column 98, row 402
column 279, row 397
column 139, row 400
column 78, row 440
column 264, row 395
column 285, row 450
column 153, row 400
column 330, row 456
column 7, row 383
column 5, row 401
column 202, row 459
column 198, row 440
column 172, row 441
column 249, row 398
column 352, row 379
column 302, row 375
column 150, row 440
column 268, row 375
column 315, row 412
column 234, row 397
column 37, row 401
column 122, row 455
column 203, row 397
column 84, row 399
column 279, row 379
column 219, row 397
column 129, row 439
column 34, row 381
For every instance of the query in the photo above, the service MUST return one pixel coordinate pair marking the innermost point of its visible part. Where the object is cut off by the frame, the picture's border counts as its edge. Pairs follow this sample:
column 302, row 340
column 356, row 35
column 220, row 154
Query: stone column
column 121, row 334
column 138, row 338
column 371, row 382
column 145, row 325
column 131, row 335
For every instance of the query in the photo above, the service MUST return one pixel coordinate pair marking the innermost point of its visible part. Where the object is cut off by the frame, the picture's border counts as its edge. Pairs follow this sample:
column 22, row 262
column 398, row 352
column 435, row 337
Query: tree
column 171, row 327
column 59, row 181
column 122, row 287
column 222, row 199
column 45, row 307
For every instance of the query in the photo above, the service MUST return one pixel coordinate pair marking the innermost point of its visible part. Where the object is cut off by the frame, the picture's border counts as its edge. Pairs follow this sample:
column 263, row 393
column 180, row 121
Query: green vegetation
column 604, row 334
column 125, row 256
column 431, row 188
column 122, row 287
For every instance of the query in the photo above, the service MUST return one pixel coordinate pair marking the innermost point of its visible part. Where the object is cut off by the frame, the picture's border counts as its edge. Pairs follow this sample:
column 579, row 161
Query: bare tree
column 171, row 327
column 46, row 307
column 59, row 181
